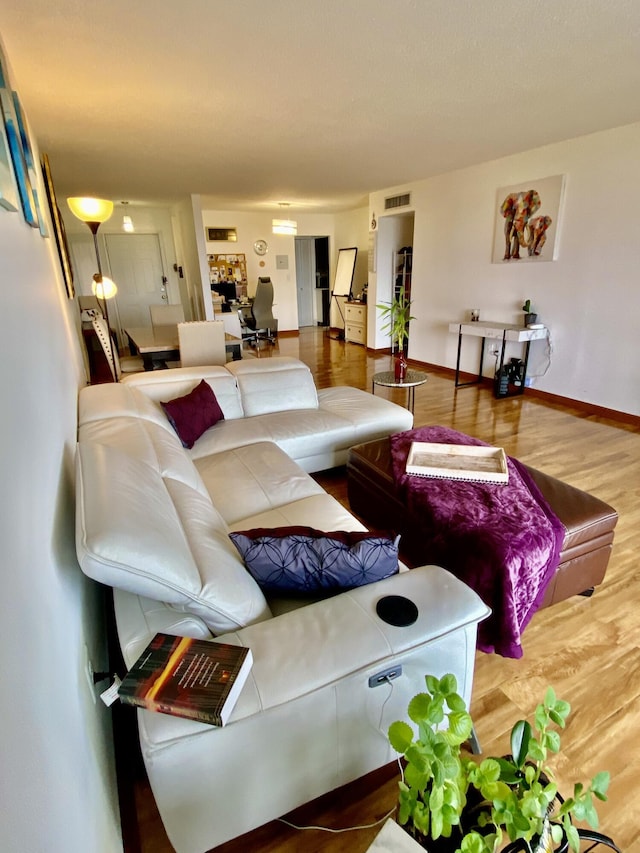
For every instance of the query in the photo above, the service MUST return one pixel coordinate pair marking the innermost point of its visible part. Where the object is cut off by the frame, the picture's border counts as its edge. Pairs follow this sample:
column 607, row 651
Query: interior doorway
column 312, row 280
column 394, row 261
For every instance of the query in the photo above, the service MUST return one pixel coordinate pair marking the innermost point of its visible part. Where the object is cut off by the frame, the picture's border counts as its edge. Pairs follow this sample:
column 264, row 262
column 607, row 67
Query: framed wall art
column 8, row 190
column 58, row 228
column 18, row 160
column 527, row 220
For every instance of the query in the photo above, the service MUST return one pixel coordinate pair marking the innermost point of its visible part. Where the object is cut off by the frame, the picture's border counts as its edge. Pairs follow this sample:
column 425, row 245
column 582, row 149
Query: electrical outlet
column 88, row 672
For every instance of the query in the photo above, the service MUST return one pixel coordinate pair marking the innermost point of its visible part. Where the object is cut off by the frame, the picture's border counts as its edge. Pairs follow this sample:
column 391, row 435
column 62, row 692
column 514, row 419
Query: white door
column 136, row 267
column 305, row 278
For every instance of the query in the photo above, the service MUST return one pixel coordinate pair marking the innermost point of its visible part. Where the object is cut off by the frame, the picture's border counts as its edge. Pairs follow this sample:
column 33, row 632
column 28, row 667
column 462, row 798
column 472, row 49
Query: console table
column 503, row 332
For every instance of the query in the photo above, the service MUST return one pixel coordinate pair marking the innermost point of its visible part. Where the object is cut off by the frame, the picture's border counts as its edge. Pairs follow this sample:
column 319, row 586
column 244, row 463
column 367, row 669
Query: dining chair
column 202, row 342
column 232, row 325
column 166, row 315
column 117, row 365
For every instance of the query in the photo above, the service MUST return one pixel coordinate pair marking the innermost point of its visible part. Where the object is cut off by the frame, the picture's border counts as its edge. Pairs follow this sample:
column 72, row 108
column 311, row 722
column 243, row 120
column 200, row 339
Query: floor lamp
column 93, row 212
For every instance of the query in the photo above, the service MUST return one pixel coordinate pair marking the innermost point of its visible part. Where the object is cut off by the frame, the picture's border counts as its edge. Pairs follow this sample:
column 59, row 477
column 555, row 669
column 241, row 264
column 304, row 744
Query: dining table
column 159, row 344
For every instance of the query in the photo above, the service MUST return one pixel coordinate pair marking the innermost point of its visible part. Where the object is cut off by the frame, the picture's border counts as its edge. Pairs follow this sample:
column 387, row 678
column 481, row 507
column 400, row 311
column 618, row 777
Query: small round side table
column 411, row 380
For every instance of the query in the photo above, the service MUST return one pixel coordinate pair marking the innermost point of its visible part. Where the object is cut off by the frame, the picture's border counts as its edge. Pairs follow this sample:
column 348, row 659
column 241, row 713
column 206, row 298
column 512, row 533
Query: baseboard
column 553, row 399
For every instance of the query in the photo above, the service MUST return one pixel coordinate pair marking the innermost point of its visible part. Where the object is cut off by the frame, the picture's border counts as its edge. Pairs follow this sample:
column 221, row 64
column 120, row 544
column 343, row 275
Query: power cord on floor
column 345, row 829
column 363, row 826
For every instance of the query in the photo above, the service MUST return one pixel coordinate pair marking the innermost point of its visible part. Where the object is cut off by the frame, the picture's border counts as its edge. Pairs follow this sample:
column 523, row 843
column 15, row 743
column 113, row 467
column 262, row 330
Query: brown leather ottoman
column 589, row 522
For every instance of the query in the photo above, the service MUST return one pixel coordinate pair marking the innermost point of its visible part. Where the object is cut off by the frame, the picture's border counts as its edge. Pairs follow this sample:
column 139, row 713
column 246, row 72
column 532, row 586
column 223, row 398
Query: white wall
column 253, row 226
column 57, row 785
column 589, row 297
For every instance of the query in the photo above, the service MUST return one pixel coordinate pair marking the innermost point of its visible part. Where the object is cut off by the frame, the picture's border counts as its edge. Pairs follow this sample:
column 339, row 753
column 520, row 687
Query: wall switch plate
column 282, row 262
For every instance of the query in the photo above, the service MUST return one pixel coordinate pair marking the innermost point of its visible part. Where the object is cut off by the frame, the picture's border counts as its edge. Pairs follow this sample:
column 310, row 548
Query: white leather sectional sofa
column 153, row 521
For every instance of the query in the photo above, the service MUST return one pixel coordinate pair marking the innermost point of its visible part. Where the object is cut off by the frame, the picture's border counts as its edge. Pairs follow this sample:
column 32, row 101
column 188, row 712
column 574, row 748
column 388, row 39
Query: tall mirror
column 343, row 281
column 344, row 271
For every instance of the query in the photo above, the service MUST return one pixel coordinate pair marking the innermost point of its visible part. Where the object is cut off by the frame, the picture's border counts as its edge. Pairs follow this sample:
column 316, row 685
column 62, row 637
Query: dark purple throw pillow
column 194, row 413
column 304, row 560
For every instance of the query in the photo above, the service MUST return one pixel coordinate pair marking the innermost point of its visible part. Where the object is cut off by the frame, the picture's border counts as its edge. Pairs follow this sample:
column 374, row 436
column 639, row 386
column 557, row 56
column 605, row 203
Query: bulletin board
column 228, row 268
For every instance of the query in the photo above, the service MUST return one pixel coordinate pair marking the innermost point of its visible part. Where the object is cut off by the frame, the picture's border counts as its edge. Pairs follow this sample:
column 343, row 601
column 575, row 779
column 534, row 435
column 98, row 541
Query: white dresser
column 355, row 322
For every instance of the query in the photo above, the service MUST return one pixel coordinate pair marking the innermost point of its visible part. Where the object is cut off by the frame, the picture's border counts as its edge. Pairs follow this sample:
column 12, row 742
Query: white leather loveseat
column 153, row 521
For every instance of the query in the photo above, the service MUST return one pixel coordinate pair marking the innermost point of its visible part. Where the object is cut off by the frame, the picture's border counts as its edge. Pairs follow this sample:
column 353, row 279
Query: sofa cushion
column 303, row 559
column 159, row 538
column 274, row 385
column 160, row 385
column 193, row 414
column 370, row 416
column 252, row 479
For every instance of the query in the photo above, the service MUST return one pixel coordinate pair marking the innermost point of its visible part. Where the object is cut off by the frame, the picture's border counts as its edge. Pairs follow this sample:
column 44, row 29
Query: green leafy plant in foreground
column 519, row 792
column 445, row 793
column 435, row 780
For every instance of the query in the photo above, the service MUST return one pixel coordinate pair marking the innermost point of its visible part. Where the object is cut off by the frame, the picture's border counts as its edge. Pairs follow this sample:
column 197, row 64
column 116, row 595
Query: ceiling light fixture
column 127, row 221
column 284, row 226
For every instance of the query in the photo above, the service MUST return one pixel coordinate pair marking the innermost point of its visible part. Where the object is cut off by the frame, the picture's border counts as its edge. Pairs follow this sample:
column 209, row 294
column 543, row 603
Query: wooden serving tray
column 458, row 462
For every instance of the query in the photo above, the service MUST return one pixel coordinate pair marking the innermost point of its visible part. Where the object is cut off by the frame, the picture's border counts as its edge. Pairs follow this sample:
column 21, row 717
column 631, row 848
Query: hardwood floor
column 587, row 648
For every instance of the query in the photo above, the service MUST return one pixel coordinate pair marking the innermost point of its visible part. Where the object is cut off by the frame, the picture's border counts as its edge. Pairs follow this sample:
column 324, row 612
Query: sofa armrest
column 139, row 619
column 317, row 646
column 341, row 635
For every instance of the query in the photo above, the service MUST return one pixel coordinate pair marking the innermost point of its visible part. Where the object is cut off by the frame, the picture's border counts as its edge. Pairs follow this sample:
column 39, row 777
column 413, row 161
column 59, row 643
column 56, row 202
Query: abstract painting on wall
column 8, row 189
column 527, row 219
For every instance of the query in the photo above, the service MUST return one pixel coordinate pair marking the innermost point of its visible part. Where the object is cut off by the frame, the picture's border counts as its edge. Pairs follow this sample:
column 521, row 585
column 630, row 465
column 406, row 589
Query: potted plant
column 476, row 807
column 397, row 315
column 529, row 315
column 434, row 783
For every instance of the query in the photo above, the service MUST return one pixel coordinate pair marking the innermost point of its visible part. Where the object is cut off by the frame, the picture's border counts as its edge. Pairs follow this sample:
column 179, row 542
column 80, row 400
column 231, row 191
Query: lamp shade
column 284, row 226
column 103, row 287
column 90, row 210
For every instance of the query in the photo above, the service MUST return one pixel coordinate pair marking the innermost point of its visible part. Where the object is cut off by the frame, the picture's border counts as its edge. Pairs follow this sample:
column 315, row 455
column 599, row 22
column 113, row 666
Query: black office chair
column 262, row 320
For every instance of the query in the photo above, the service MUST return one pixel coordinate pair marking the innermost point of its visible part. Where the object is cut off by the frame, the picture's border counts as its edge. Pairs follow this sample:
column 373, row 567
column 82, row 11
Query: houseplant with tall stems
column 397, row 315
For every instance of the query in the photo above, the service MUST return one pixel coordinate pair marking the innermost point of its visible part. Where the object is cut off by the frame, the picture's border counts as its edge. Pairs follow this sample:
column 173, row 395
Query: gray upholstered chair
column 262, row 321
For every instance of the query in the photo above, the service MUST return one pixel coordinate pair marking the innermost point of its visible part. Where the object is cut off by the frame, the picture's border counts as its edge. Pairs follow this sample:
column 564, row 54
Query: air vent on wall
column 397, row 201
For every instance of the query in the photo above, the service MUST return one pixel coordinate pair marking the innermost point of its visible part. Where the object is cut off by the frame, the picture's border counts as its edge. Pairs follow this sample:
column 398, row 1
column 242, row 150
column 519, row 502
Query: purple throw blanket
column 503, row 541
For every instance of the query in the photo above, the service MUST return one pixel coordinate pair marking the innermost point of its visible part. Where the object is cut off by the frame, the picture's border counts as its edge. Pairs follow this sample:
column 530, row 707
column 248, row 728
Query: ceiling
column 312, row 102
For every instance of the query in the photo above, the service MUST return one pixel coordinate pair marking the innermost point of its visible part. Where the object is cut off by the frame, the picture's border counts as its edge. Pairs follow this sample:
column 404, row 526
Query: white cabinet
column 355, row 322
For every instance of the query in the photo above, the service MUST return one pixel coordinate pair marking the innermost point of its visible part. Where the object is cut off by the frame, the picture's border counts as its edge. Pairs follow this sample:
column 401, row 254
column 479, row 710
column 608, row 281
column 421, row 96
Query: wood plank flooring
column 587, row 648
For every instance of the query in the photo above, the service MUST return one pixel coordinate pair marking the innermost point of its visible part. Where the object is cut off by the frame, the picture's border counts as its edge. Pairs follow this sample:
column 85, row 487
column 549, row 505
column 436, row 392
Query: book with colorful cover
column 197, row 679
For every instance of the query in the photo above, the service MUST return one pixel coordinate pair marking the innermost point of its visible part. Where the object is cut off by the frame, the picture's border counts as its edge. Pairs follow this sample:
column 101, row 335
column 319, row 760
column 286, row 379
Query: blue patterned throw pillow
column 304, row 560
